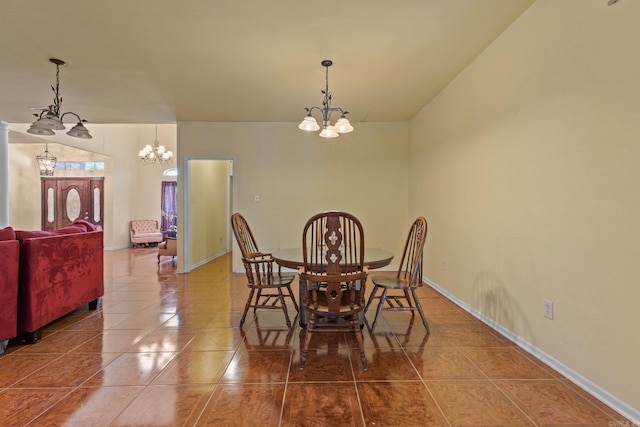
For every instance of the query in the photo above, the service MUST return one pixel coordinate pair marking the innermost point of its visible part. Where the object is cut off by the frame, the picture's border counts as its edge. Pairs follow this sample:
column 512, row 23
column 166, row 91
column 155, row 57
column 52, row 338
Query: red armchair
column 9, row 251
column 58, row 274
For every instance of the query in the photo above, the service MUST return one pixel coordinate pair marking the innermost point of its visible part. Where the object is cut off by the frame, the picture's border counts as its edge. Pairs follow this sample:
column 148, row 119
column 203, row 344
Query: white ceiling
column 162, row 61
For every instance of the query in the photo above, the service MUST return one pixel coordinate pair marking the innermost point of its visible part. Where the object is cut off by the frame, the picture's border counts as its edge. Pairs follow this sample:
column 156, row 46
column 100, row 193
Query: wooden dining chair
column 392, row 291
column 261, row 280
column 333, row 277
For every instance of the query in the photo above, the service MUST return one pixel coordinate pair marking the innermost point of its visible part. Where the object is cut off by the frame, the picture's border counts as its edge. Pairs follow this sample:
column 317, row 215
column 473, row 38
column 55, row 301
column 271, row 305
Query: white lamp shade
column 343, row 125
column 309, row 123
column 34, row 129
column 329, row 132
column 79, row 131
column 50, row 121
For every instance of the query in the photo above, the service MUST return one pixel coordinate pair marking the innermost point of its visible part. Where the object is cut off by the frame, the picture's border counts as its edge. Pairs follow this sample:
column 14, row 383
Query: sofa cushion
column 7, row 233
column 23, row 234
column 69, row 229
column 88, row 225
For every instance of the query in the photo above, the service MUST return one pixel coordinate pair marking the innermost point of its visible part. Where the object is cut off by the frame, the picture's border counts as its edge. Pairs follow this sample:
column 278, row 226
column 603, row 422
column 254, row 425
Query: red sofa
column 9, row 250
column 59, row 272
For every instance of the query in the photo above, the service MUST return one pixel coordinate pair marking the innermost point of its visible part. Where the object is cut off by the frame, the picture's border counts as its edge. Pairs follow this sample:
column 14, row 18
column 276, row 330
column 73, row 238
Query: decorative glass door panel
column 73, row 205
column 51, row 209
column 97, row 205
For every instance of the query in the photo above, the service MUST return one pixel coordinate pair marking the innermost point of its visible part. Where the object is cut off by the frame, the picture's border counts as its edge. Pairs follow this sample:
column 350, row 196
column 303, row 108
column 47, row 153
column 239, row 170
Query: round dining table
column 292, row 258
column 373, row 257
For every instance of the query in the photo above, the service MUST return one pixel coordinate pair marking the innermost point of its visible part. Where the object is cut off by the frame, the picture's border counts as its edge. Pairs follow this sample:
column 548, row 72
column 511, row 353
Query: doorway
column 208, row 202
column 169, row 208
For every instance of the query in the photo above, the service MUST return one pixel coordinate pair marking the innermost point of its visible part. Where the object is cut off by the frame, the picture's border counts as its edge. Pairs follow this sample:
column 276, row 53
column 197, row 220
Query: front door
column 66, row 199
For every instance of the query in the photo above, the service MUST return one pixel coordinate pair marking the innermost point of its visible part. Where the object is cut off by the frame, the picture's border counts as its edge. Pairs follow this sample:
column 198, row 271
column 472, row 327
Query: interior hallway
column 165, row 349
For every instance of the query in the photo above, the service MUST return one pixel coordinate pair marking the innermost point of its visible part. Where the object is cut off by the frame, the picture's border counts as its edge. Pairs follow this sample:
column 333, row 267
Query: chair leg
column 419, row 306
column 356, row 327
column 284, row 307
column 382, row 297
column 408, row 298
column 246, row 306
column 293, row 298
column 258, row 296
column 311, row 323
column 371, row 298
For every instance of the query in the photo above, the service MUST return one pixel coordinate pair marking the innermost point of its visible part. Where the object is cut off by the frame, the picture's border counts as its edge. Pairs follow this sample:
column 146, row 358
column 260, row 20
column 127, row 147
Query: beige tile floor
column 165, row 349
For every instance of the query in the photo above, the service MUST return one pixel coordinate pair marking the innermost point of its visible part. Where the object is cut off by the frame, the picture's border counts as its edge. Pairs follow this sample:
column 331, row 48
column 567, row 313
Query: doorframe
column 229, row 207
column 186, row 199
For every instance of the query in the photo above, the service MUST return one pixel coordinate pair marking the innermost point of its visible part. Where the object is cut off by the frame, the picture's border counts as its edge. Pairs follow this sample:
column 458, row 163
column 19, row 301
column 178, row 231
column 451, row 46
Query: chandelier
column 341, row 125
column 157, row 154
column 51, row 119
column 46, row 162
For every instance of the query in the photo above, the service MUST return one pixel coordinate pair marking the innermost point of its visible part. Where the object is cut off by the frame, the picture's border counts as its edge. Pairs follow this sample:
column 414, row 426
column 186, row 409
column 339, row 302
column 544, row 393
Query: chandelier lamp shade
column 150, row 155
column 46, row 162
column 329, row 130
column 51, row 119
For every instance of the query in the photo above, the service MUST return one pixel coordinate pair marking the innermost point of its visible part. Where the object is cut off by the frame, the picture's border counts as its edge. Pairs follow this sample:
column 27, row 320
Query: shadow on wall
column 493, row 300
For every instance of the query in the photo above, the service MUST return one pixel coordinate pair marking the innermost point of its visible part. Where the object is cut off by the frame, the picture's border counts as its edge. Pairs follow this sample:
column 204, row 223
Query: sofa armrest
column 9, row 254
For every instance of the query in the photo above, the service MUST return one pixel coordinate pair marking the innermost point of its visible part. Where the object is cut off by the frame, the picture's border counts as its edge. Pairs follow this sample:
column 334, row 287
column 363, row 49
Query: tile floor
column 165, row 349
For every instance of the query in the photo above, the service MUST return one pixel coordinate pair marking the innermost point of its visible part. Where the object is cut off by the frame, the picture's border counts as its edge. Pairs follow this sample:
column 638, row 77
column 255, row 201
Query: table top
column 373, row 257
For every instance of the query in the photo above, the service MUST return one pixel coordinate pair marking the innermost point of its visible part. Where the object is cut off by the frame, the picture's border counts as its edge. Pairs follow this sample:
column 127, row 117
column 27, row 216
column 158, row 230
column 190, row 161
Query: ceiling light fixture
column 46, row 162
column 157, row 154
column 50, row 118
column 341, row 125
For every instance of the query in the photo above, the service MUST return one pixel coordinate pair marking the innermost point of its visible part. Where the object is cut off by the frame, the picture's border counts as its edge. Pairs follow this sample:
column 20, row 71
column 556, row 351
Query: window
column 170, row 172
column 80, row 166
column 169, row 208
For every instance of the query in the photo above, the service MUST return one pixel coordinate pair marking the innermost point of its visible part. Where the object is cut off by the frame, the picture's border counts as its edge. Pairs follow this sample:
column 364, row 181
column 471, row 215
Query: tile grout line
column 424, row 384
column 286, row 382
column 491, row 381
column 353, row 375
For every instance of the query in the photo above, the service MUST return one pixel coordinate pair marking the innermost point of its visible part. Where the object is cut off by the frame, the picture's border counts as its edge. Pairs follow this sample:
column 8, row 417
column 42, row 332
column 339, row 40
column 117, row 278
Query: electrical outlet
column 548, row 309
column 444, row 265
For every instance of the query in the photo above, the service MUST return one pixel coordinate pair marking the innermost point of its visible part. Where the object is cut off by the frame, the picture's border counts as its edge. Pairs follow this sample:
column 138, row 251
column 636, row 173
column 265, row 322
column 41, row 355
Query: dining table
column 374, row 258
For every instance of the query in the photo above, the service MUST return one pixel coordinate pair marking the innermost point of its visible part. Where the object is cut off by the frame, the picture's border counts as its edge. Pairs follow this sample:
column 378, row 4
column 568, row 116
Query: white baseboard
column 590, row 387
column 116, row 248
column 194, row 266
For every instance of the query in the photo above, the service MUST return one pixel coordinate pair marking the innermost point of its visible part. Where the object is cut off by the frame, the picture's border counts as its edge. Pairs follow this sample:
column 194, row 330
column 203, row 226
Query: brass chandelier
column 157, row 154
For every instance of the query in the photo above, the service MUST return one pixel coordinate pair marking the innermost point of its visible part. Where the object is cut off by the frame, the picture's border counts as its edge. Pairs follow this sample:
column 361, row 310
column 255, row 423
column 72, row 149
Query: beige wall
column 133, row 192
column 526, row 167
column 24, row 185
column 296, row 175
column 207, row 209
